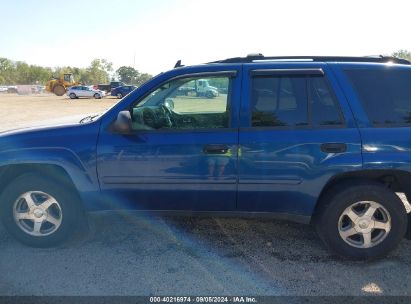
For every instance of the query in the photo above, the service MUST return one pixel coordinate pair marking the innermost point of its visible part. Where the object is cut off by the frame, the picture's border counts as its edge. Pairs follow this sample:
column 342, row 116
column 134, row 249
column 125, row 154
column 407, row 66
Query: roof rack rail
column 260, row 57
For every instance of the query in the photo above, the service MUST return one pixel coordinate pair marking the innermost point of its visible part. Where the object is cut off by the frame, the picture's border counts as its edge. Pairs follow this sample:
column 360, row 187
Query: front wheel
column 97, row 96
column 39, row 212
column 119, row 95
column 72, row 96
column 362, row 221
column 59, row 90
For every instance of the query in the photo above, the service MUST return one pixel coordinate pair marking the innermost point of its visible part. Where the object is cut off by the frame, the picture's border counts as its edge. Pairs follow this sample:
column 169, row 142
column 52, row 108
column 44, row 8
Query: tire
column 57, row 223
column 353, row 235
column 119, row 95
column 59, row 90
column 72, row 96
column 97, row 96
column 209, row 94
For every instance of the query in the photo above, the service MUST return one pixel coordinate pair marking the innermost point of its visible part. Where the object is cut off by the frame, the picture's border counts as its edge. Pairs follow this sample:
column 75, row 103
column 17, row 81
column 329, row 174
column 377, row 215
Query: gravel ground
column 127, row 255
column 21, row 111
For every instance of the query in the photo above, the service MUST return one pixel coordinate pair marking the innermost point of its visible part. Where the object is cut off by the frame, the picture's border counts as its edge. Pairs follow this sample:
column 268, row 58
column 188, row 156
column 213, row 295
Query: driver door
column 182, row 154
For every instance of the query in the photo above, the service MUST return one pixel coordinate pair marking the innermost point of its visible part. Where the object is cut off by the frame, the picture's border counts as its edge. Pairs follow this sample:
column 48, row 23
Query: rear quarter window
column 384, row 94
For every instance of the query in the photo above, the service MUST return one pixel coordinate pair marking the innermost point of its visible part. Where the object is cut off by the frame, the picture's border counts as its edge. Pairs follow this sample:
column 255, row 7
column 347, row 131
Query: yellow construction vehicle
column 59, row 86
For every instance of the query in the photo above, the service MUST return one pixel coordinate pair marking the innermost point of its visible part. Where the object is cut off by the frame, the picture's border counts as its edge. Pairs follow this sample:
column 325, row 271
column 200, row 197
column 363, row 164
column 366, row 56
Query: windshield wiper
column 89, row 118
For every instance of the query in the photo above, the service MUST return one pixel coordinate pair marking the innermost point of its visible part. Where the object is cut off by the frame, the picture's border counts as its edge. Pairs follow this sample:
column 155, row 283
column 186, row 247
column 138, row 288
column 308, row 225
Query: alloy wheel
column 37, row 213
column 364, row 224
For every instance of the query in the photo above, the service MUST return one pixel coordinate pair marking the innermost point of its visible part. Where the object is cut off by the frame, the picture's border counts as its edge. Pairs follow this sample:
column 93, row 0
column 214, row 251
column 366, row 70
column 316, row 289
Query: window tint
column 189, row 103
column 324, row 106
column 279, row 101
column 283, row 101
column 385, row 94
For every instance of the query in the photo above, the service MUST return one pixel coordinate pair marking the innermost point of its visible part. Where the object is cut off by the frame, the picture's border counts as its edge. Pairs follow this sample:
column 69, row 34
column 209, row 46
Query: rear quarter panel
column 382, row 147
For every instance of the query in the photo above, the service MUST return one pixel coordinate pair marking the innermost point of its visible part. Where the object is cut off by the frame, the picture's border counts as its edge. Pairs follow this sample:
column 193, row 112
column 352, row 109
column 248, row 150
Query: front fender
column 82, row 176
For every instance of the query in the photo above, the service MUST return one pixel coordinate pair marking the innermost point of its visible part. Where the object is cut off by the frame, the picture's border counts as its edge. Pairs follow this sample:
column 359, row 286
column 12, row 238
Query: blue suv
column 122, row 91
column 320, row 140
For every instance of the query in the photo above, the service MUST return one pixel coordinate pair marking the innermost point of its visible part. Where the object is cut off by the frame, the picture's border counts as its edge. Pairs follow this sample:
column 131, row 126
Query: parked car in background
column 3, row 89
column 122, row 91
column 199, row 87
column 108, row 87
column 84, row 91
column 37, row 89
column 12, row 89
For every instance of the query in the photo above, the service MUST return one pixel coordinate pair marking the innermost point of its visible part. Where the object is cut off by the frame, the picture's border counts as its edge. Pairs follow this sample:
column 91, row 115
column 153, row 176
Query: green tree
column 7, row 71
column 130, row 75
column 404, row 54
column 22, row 73
column 38, row 74
column 142, row 78
column 127, row 74
column 98, row 71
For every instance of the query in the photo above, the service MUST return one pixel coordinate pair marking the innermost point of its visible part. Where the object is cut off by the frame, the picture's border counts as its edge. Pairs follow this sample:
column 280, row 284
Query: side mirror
column 123, row 123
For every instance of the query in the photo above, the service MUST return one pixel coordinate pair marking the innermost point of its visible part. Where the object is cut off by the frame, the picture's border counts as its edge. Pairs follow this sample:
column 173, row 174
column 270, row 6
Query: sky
column 152, row 35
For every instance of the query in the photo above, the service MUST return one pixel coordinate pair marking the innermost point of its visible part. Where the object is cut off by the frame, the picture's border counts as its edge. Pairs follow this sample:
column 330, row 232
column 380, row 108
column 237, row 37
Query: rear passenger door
column 88, row 92
column 84, row 92
column 296, row 132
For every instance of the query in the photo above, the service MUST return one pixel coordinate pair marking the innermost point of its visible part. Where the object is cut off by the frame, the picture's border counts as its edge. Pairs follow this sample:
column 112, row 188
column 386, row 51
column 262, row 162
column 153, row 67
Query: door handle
column 216, row 149
column 334, row 147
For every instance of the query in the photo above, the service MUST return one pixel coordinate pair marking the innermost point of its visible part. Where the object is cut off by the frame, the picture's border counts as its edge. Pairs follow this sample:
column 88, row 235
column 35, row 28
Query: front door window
column 189, row 103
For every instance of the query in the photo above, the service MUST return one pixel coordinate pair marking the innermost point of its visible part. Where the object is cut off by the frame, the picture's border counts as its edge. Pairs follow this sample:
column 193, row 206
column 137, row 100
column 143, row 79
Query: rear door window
column 324, row 105
column 293, row 101
column 385, row 94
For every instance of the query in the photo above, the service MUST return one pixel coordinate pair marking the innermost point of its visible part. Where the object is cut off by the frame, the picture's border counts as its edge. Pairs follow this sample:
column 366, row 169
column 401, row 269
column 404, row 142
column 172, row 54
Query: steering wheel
column 150, row 118
column 168, row 114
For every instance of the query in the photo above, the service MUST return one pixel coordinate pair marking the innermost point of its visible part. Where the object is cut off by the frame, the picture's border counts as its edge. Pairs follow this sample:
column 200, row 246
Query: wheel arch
column 396, row 180
column 9, row 173
column 63, row 184
column 57, row 173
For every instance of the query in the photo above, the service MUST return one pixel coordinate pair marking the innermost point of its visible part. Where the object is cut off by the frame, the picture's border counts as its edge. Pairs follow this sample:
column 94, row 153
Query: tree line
column 99, row 71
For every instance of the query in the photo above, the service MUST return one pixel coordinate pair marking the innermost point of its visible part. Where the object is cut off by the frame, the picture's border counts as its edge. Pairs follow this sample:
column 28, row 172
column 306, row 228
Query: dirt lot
column 126, row 255
column 23, row 110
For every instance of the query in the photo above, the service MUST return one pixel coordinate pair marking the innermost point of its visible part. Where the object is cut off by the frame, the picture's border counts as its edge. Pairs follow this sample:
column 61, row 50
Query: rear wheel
column 40, row 212
column 72, row 96
column 59, row 90
column 362, row 221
